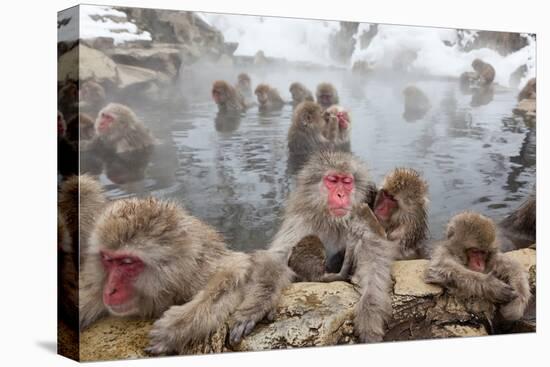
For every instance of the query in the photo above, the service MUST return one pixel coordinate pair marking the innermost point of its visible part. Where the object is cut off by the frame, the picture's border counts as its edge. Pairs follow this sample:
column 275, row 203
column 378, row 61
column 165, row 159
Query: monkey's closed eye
column 127, row 261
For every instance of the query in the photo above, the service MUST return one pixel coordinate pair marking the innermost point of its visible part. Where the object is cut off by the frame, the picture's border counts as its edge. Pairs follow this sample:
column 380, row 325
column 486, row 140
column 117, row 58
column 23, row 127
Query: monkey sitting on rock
column 470, row 264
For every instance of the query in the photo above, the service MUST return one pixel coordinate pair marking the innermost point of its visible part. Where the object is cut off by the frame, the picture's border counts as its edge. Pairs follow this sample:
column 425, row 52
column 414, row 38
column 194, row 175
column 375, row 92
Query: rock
column 160, row 57
column 408, row 279
column 504, row 43
column 341, row 44
column 86, row 63
column 114, row 338
column 100, row 43
column 309, row 314
column 318, row 314
column 131, row 75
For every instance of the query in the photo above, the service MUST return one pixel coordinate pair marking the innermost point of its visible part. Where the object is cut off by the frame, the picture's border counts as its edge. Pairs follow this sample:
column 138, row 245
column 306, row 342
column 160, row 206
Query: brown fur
column 80, row 128
column 80, row 202
column 244, row 86
column 529, row 91
column 338, row 137
column 519, row 228
column 485, row 72
column 190, row 277
column 92, row 97
column 327, row 89
column 231, row 101
column 415, row 99
column 307, row 259
column 306, row 213
column 503, row 281
column 300, row 93
column 127, row 133
column 408, row 225
column 269, row 98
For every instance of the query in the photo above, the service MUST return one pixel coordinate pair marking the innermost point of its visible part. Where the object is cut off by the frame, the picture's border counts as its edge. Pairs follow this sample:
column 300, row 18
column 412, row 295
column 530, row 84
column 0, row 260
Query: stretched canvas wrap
column 243, row 183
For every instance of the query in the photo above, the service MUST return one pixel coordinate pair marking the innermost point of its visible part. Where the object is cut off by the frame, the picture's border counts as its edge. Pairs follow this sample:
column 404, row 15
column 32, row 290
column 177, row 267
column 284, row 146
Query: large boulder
column 320, row 314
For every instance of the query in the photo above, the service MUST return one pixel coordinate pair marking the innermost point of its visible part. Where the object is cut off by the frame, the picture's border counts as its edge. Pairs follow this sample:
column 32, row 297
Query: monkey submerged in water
column 470, row 263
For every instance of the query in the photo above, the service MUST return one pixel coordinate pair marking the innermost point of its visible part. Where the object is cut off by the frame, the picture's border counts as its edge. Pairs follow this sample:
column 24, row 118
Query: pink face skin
column 476, row 259
column 122, row 271
column 106, row 121
column 340, row 187
column 343, row 119
column 385, row 206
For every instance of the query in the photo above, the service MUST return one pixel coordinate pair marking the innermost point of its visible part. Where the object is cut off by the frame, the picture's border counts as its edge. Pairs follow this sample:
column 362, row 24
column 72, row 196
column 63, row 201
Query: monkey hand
column 172, row 332
column 244, row 323
column 498, row 291
column 514, row 309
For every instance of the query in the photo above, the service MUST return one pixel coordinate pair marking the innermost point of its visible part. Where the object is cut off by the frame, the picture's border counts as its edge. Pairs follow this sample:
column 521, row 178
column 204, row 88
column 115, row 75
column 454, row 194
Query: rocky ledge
column 318, row 314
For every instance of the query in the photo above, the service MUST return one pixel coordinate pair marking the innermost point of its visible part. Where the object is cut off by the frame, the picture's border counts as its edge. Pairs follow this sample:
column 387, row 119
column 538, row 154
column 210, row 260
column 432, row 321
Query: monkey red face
column 385, row 206
column 122, row 271
column 477, row 259
column 106, row 121
column 340, row 187
column 343, row 119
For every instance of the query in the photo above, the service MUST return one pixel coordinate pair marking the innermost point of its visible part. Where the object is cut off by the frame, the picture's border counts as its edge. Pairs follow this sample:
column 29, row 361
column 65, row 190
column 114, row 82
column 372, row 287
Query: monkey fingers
column 241, row 329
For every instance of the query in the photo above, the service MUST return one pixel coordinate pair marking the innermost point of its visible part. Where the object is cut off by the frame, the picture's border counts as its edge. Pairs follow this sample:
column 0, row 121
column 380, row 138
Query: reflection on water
column 233, row 173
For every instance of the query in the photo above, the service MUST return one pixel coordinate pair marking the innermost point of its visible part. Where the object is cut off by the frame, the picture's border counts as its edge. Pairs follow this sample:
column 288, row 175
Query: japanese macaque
column 330, row 190
column 67, row 98
column 401, row 208
column 470, row 264
column 337, row 128
column 92, row 97
column 529, row 91
column 269, row 98
column 80, row 201
column 417, row 103
column 227, row 98
column 119, row 130
column 306, row 135
column 81, row 127
column 244, row 86
column 326, row 95
column 485, row 72
column 307, row 259
column 150, row 258
column 519, row 228
column 300, row 93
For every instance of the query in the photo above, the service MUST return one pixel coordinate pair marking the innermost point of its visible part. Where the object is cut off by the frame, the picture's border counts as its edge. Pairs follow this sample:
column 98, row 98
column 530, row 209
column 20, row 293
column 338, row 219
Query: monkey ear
column 450, row 232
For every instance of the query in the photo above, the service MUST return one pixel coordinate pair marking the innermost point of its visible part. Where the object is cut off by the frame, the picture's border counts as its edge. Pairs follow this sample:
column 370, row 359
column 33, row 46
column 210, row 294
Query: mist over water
column 478, row 158
column 473, row 152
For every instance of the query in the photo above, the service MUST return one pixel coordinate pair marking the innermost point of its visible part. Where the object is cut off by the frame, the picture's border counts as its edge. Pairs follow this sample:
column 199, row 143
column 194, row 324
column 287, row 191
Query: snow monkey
column 330, row 191
column 299, row 93
column 269, row 98
column 470, row 263
column 338, row 127
column 485, row 72
column 227, row 98
column 326, row 95
column 401, row 208
column 119, row 130
column 150, row 258
column 529, row 91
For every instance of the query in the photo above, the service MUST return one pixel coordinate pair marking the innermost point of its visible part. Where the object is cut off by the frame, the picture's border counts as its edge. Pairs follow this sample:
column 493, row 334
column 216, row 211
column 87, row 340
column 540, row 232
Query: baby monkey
column 469, row 262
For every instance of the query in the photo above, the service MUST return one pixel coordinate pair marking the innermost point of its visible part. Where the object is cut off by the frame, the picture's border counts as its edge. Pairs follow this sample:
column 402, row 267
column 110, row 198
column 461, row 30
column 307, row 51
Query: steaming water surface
column 479, row 158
